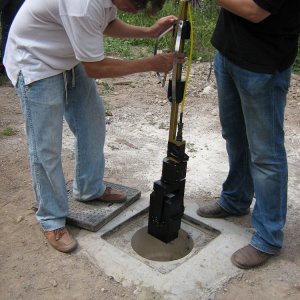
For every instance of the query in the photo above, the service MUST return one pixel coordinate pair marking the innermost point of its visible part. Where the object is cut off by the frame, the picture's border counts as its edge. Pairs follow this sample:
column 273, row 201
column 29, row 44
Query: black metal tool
column 167, row 199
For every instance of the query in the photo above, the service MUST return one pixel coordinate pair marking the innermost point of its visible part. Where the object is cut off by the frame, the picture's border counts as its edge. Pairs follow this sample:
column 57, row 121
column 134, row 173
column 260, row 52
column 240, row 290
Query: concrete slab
column 158, row 255
column 198, row 277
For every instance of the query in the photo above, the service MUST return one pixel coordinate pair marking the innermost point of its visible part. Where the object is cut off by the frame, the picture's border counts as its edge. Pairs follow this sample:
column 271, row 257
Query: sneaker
column 249, row 257
column 61, row 240
column 112, row 196
column 213, row 210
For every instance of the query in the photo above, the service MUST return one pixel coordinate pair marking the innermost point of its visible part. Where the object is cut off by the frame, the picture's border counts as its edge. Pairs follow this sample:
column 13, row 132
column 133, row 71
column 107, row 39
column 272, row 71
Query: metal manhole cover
column 93, row 215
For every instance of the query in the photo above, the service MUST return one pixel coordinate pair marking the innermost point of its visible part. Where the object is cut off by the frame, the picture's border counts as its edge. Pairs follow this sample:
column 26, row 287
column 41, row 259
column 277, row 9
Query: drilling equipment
column 167, row 198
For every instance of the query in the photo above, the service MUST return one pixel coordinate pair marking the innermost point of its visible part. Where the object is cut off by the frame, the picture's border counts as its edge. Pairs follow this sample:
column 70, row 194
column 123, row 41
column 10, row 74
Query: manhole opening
column 132, row 238
column 152, row 248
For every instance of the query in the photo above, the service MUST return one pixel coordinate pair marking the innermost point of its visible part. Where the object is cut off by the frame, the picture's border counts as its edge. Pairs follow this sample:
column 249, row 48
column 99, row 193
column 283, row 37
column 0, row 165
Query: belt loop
column 66, row 85
column 73, row 78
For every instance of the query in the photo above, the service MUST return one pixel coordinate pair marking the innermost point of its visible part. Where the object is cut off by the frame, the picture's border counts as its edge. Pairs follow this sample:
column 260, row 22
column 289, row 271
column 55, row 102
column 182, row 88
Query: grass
column 296, row 66
column 8, row 131
column 204, row 20
column 203, row 24
column 3, row 79
column 106, row 86
column 191, row 147
column 108, row 111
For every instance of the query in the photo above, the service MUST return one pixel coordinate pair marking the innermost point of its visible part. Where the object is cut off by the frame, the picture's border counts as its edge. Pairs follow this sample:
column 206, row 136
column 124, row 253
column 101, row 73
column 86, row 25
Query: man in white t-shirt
column 54, row 52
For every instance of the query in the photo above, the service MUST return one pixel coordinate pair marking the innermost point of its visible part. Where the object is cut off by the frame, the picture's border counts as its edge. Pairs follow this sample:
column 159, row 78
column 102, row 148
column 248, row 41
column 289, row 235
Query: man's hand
column 161, row 26
column 163, row 63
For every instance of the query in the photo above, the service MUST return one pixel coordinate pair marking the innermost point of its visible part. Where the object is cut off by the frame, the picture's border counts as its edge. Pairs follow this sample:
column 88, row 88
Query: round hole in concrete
column 151, row 248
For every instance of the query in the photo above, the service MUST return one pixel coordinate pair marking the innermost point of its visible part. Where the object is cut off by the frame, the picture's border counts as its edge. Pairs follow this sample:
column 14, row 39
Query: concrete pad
column 132, row 237
column 197, row 276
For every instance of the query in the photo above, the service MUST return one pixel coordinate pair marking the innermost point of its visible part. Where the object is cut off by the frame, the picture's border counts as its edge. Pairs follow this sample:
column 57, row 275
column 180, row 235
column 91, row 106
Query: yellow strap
column 190, row 57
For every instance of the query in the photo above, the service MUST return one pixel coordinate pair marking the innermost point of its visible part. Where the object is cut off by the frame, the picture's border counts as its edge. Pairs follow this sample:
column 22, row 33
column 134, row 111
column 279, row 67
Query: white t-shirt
column 49, row 37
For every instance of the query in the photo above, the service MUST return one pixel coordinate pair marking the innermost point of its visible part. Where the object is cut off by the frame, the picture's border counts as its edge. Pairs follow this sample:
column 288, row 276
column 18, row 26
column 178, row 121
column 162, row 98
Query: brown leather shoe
column 213, row 210
column 61, row 240
column 249, row 257
column 112, row 196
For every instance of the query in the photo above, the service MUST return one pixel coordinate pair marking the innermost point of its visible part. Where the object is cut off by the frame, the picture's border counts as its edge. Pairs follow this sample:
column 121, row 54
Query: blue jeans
column 44, row 104
column 252, row 117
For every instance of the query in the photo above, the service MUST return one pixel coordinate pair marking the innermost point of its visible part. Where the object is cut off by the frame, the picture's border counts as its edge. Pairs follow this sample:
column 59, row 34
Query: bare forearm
column 246, row 9
column 119, row 29
column 110, row 67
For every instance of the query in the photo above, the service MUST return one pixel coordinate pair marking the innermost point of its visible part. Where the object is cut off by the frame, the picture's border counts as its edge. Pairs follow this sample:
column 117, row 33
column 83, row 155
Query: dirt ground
column 137, row 123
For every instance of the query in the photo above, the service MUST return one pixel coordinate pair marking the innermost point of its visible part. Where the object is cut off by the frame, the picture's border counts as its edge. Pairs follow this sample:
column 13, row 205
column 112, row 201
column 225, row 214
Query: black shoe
column 214, row 210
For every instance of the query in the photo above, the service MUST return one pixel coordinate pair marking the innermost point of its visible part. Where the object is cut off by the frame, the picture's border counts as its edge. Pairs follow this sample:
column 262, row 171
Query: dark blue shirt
column 264, row 47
